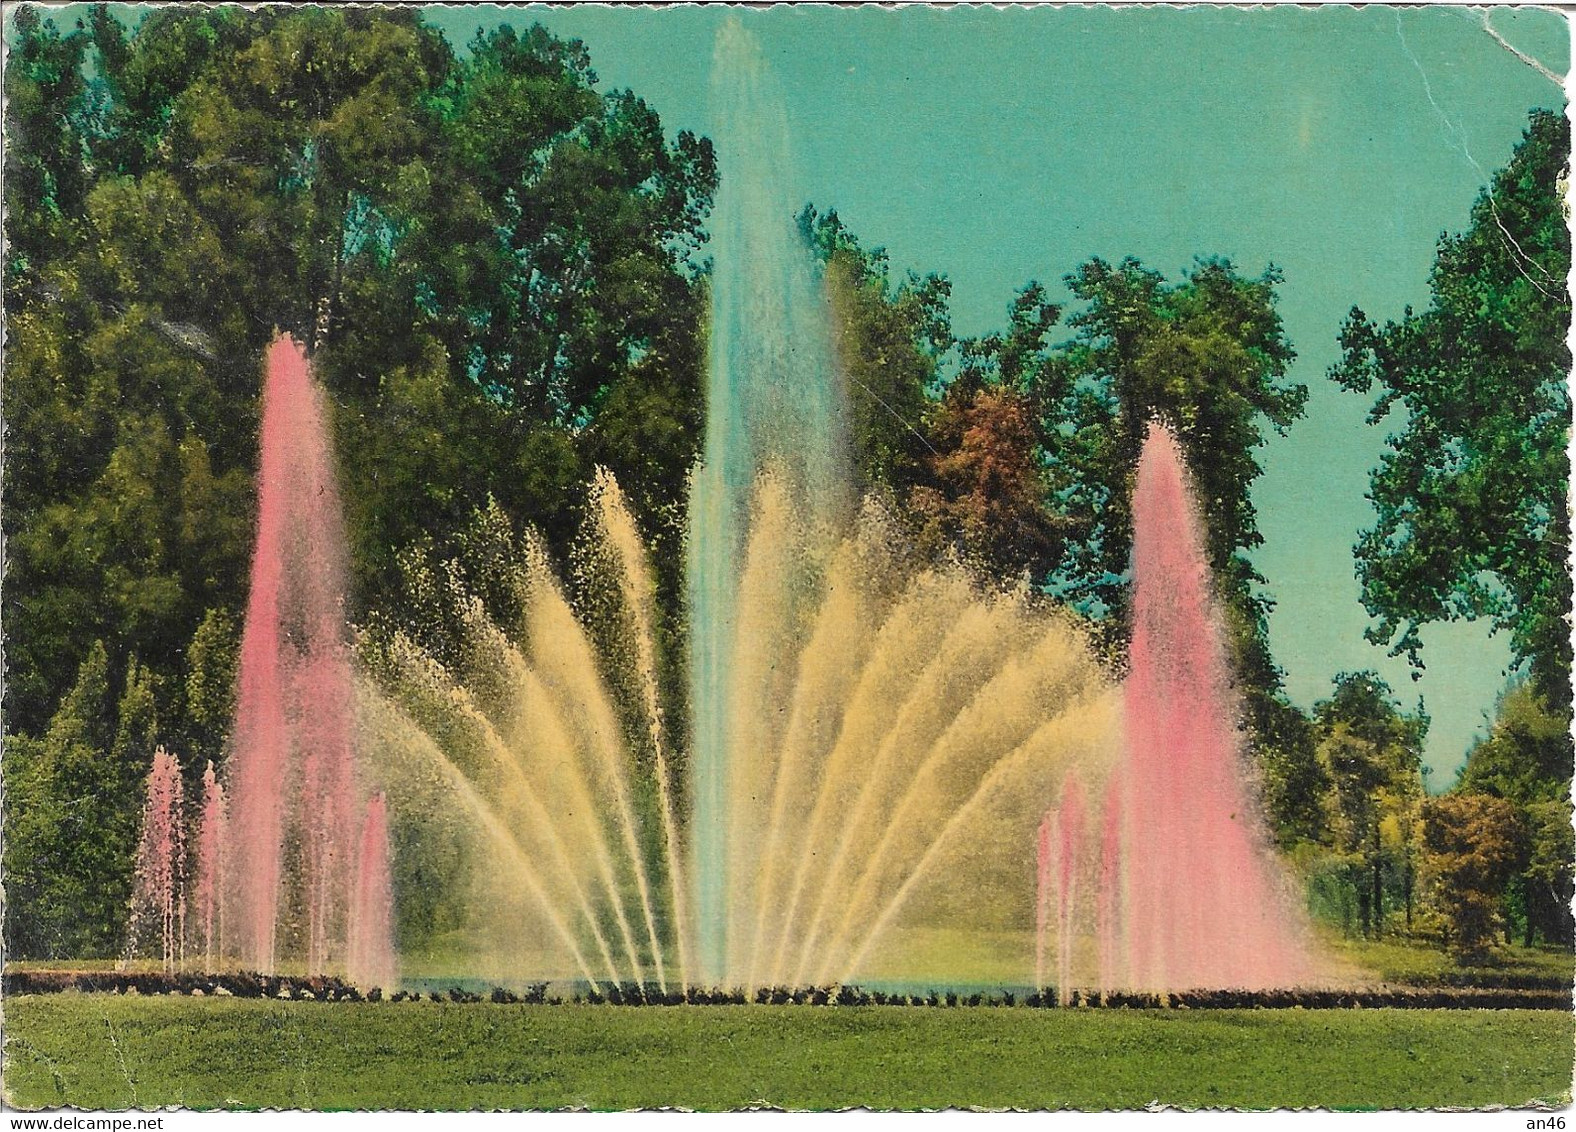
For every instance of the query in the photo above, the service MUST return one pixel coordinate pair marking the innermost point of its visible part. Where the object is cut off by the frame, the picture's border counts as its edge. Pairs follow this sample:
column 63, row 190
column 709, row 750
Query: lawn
column 1400, row 960
column 108, row 1051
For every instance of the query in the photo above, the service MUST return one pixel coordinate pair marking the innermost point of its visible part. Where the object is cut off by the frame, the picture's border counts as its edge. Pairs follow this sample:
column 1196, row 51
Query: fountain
column 158, row 902
column 288, row 824
column 884, row 773
column 1204, row 906
column 772, row 399
column 211, row 840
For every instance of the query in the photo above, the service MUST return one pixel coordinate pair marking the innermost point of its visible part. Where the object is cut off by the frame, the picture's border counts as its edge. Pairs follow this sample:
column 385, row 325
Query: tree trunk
column 328, row 301
column 1378, row 886
column 1407, row 881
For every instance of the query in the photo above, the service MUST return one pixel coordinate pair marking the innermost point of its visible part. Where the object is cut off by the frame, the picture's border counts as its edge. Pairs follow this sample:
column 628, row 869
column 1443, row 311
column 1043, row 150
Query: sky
column 999, row 146
column 1002, row 146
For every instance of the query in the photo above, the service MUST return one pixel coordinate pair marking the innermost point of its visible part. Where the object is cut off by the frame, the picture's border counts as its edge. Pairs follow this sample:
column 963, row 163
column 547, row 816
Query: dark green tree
column 72, row 808
column 492, row 260
column 1206, row 356
column 1473, row 517
column 49, row 110
column 1294, row 783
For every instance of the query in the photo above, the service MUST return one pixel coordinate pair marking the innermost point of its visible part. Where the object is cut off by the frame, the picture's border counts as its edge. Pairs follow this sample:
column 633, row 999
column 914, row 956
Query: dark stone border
column 321, row 988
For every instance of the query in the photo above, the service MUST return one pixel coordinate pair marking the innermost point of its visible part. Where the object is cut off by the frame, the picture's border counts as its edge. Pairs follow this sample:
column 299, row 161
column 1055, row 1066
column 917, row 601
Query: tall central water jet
column 773, row 400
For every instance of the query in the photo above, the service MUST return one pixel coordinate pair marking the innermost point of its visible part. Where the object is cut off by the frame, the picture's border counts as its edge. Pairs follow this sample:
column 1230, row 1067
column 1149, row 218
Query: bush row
column 323, row 988
column 239, row 984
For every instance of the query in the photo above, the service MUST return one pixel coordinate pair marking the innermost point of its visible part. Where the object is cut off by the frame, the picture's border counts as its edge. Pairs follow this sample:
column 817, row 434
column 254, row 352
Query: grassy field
column 104, row 1051
column 1399, row 960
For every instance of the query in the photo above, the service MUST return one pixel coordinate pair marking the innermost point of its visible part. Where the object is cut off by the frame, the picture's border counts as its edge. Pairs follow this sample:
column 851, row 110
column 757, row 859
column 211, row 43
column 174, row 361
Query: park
column 507, row 600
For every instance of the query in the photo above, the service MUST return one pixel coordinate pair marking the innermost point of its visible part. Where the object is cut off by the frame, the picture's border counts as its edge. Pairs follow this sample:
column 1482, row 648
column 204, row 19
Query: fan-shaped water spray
column 998, row 699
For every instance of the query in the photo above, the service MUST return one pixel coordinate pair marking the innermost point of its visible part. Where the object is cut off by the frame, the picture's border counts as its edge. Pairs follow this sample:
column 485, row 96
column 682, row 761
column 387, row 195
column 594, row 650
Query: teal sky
column 1002, row 146
column 999, row 146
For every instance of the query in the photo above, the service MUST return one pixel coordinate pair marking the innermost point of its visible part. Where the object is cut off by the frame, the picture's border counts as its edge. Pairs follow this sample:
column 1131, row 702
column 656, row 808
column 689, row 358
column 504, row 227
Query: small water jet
column 211, row 841
column 1108, row 893
column 158, row 905
column 1045, row 891
column 1070, row 828
column 371, row 962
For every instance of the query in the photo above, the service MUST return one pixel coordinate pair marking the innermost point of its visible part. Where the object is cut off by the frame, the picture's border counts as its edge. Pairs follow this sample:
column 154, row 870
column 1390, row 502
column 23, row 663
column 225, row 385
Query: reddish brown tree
column 986, row 492
column 1475, row 844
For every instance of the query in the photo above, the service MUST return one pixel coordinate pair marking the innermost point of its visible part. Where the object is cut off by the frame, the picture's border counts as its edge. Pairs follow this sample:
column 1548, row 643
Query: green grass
column 106, row 1051
column 1399, row 960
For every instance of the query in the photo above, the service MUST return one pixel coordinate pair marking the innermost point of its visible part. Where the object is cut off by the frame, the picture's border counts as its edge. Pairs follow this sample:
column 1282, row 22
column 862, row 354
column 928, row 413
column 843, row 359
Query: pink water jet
column 292, row 772
column 1203, row 902
column 1045, row 892
column 158, row 895
column 1109, row 895
column 210, row 866
column 1069, row 847
column 372, row 961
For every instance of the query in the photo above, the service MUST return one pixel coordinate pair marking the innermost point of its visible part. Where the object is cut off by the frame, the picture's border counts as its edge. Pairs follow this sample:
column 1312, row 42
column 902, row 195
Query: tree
column 490, row 256
column 493, row 261
column 72, row 813
column 1547, row 883
column 1527, row 756
column 48, row 107
column 959, row 448
column 1473, row 519
column 1371, row 755
column 1527, row 760
column 1295, row 784
column 1475, row 845
column 890, row 340
column 1206, row 356
column 985, row 493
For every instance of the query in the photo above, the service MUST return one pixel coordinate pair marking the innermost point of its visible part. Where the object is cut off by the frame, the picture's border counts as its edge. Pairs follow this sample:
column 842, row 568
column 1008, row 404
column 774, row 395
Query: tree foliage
column 492, row 259
column 1207, row 356
column 1473, row 516
column 890, row 340
column 71, row 815
column 1526, row 760
column 1475, row 843
column 1371, row 755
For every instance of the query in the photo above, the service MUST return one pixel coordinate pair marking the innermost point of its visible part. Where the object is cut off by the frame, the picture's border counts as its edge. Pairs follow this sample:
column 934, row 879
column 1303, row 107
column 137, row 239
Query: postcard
column 802, row 557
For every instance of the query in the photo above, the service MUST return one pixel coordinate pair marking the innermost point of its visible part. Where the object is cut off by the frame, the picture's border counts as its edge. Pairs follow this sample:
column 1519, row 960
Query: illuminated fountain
column 886, row 760
column 1186, row 879
column 158, row 900
column 871, row 738
column 290, row 816
column 1205, row 904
